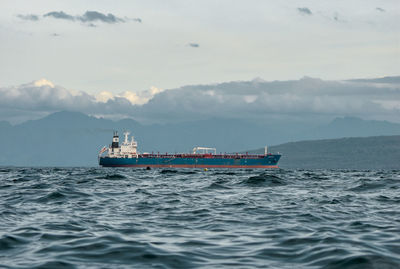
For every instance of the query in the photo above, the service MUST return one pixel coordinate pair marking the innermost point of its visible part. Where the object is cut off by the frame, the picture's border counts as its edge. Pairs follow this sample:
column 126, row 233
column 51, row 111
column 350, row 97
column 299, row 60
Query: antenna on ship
column 126, row 134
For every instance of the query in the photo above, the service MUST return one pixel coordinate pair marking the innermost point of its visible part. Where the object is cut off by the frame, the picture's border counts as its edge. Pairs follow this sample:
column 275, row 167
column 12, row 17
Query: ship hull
column 268, row 161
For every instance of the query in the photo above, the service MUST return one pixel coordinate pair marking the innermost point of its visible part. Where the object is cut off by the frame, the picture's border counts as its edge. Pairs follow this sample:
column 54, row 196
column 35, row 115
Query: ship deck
column 204, row 156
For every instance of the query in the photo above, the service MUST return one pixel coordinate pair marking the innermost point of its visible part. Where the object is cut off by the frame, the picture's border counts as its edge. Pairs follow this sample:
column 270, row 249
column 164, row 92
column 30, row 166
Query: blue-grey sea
column 188, row 218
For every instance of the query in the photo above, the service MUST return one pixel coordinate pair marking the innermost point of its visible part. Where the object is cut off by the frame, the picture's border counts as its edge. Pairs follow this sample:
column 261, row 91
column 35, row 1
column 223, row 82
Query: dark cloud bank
column 88, row 17
column 59, row 15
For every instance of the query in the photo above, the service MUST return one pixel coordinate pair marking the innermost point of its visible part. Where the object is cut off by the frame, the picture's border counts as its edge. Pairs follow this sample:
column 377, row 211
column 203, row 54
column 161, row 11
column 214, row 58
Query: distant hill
column 387, row 80
column 380, row 152
column 352, row 127
column 74, row 139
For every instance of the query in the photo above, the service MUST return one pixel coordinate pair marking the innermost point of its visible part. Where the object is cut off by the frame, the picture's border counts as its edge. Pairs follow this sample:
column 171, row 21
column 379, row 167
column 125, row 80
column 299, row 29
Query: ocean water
column 134, row 218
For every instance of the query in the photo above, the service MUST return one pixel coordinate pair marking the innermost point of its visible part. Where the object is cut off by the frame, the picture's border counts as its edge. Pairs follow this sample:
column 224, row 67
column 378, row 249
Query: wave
column 178, row 172
column 189, row 218
column 112, row 176
column 264, row 180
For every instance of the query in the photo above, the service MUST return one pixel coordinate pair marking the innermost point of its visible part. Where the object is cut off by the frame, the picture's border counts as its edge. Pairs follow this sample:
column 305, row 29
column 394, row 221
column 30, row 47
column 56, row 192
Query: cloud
column 59, row 15
column 304, row 10
column 43, row 96
column 139, row 20
column 43, row 82
column 28, row 17
column 260, row 100
column 194, row 45
column 336, row 17
column 134, row 98
column 91, row 16
column 256, row 100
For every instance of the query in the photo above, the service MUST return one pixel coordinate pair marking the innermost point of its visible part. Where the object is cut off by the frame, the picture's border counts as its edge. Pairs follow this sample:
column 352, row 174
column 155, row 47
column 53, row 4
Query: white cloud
column 134, row 98
column 104, row 96
column 43, row 82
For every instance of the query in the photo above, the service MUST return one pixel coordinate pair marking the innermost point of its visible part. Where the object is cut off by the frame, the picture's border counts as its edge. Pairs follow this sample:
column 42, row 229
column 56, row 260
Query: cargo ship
column 126, row 155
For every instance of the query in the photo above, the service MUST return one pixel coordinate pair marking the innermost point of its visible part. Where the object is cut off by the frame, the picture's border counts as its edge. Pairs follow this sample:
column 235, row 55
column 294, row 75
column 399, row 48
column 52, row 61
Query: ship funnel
column 115, row 140
column 266, row 150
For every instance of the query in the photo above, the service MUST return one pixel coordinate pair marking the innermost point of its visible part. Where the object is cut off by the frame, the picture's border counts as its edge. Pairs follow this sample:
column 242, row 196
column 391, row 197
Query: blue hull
column 268, row 161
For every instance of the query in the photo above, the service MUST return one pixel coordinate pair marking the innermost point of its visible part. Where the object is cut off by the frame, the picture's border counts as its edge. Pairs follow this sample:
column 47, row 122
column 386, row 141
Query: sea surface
column 166, row 218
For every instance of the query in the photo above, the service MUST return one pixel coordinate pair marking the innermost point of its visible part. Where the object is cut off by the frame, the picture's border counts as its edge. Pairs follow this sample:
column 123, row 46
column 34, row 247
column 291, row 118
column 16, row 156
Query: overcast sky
column 136, row 59
column 116, row 46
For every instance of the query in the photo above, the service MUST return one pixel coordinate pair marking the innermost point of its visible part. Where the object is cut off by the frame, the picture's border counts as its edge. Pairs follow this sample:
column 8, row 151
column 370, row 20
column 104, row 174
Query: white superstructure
column 128, row 148
column 203, row 150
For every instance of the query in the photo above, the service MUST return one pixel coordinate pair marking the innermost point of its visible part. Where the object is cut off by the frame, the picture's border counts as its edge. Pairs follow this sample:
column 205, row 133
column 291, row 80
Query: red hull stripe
column 192, row 166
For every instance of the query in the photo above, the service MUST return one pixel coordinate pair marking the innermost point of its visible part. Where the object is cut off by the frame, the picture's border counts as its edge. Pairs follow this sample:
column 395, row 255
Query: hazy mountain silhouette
column 74, row 139
column 352, row 127
column 379, row 152
column 388, row 79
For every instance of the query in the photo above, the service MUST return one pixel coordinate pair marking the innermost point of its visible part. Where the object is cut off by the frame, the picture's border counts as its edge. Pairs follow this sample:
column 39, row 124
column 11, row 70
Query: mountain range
column 73, row 139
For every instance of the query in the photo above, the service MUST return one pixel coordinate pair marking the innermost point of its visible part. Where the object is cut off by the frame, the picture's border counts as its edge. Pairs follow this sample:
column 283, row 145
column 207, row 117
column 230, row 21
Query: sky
column 130, row 52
